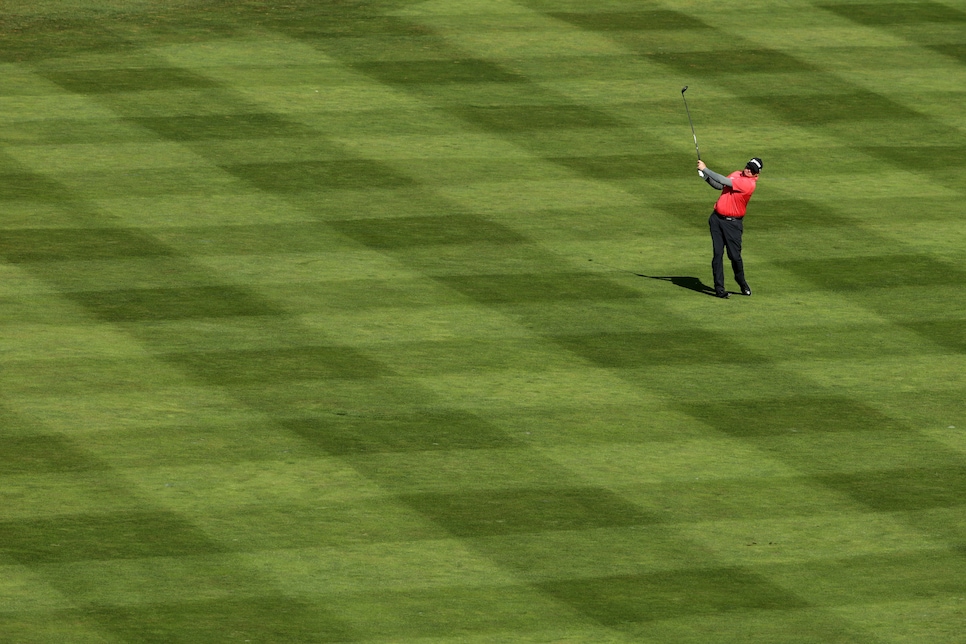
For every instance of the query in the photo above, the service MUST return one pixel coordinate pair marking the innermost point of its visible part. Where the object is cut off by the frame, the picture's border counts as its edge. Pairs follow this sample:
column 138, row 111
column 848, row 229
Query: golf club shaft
column 691, row 123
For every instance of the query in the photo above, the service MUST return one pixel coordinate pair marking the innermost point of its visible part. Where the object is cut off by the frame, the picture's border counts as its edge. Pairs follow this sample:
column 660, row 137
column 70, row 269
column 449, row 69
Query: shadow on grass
column 690, row 283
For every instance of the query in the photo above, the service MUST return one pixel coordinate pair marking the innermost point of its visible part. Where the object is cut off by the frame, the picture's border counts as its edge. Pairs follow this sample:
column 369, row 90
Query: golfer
column 727, row 220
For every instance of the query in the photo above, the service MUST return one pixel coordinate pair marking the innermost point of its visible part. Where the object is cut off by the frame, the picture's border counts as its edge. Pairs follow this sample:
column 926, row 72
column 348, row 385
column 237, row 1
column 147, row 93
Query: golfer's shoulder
column 743, row 183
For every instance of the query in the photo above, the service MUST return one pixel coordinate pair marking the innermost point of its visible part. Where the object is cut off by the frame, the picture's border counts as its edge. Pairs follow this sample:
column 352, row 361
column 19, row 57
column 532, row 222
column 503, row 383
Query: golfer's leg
column 733, row 244
column 717, row 259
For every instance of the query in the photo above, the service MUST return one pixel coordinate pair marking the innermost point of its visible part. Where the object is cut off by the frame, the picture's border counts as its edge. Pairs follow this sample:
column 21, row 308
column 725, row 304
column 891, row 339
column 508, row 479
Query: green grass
column 388, row 322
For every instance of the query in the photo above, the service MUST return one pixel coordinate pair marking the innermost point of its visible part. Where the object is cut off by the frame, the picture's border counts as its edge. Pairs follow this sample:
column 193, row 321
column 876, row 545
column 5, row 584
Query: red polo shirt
column 733, row 201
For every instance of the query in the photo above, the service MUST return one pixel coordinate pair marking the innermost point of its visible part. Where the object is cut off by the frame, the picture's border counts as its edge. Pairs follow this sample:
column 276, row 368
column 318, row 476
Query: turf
column 389, row 321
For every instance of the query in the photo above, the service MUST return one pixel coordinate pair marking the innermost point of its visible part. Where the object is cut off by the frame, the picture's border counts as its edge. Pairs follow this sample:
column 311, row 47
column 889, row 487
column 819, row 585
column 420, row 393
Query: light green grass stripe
column 121, row 582
column 286, row 479
column 935, row 619
column 60, row 160
column 815, row 537
column 23, row 590
column 239, row 207
column 34, row 495
column 26, row 342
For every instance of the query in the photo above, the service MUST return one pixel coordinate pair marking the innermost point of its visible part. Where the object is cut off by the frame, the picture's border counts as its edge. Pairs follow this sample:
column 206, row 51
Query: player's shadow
column 690, row 283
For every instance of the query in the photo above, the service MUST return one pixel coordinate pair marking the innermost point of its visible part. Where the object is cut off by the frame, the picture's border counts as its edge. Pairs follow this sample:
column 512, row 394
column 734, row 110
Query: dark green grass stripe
column 823, row 109
column 317, row 176
column 905, row 489
column 40, row 453
column 272, row 618
column 948, row 333
column 26, row 245
column 174, row 303
column 222, row 126
column 224, row 368
column 641, row 349
column 511, row 511
column 640, row 20
column 414, row 232
column 720, row 63
column 624, row 166
column 32, row 39
column 921, row 158
column 279, row 525
column 116, row 375
column 107, row 81
column 345, row 434
column 329, row 22
column 119, row 535
column 876, row 272
column 782, row 416
column 524, row 118
column 30, row 186
column 780, row 215
column 956, row 50
column 450, row 70
column 896, row 14
column 664, row 595
column 249, row 239
column 531, row 287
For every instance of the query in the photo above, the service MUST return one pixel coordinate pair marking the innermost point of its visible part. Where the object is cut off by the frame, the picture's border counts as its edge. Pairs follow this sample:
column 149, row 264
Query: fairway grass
column 390, row 321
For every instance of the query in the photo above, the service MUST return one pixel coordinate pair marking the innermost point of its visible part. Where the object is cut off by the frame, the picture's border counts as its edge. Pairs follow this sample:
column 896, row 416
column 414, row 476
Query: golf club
column 683, row 90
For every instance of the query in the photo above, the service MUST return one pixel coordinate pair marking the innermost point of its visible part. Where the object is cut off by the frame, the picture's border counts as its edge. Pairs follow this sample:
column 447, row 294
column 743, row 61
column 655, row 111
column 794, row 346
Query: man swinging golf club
column 726, row 218
column 726, row 221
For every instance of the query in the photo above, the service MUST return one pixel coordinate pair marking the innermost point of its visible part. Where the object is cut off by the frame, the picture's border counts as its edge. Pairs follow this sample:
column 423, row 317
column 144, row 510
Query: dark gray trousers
column 726, row 235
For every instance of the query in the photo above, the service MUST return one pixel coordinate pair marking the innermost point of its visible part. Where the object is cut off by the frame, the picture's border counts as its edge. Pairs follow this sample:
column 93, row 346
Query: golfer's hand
column 701, row 165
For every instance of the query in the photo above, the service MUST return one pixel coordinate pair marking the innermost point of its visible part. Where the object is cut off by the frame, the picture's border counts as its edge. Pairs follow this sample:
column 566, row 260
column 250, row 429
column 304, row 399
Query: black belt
column 726, row 217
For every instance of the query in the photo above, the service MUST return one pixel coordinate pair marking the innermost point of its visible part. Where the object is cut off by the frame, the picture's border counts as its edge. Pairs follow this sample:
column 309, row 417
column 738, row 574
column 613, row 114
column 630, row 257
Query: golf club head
column 684, row 89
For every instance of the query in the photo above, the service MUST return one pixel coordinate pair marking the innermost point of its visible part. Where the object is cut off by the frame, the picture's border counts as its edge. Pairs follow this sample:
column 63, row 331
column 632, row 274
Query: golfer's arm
column 715, row 180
